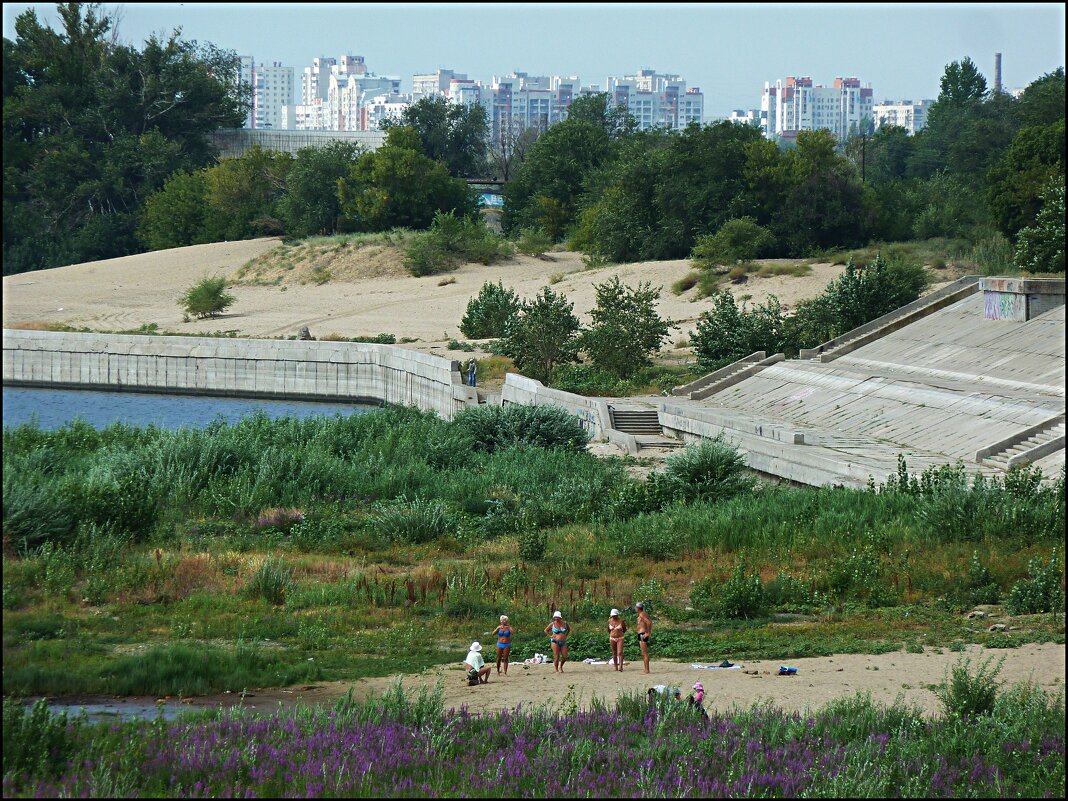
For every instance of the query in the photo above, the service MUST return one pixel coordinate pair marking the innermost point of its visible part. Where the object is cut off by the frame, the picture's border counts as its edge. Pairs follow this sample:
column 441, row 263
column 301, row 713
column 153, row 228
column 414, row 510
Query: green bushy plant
column 271, row 581
column 742, row 596
column 207, row 298
column 532, row 545
column 489, row 314
column 452, row 240
column 418, row 521
column 966, row 695
column 533, row 242
column 494, row 427
column 1041, row 591
column 982, row 589
column 709, row 471
column 740, row 239
column 36, row 742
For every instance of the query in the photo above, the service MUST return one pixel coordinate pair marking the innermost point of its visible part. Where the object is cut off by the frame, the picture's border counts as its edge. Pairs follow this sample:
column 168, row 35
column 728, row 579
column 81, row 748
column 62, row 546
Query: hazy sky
column 726, row 50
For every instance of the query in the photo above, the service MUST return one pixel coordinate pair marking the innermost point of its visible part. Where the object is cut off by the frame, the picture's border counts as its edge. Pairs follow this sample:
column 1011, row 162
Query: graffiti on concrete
column 1004, row 306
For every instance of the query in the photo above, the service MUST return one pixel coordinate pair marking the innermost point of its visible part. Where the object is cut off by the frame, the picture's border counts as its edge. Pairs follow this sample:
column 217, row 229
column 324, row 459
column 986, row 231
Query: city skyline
column 726, row 51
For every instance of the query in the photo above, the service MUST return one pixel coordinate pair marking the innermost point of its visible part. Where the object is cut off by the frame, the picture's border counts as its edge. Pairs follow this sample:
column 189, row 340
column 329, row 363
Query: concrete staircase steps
column 634, row 421
column 1031, row 448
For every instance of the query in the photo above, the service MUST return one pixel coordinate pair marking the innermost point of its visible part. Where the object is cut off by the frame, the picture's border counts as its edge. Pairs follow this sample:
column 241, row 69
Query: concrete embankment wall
column 323, row 371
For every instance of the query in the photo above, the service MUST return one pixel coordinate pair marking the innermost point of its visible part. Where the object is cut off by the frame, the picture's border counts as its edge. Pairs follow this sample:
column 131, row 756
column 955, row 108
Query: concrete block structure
column 300, row 370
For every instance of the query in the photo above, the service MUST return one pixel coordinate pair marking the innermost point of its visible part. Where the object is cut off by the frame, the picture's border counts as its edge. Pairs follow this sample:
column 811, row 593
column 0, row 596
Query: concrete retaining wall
column 353, row 372
column 591, row 412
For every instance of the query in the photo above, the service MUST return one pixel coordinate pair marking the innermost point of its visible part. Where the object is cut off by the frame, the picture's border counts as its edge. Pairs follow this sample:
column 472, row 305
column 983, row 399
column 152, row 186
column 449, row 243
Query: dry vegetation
column 321, row 259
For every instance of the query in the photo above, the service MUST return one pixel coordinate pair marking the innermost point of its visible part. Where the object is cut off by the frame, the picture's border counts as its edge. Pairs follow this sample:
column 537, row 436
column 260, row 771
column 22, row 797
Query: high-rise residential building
column 656, row 100
column 746, row 116
column 520, row 101
column 435, row 84
column 912, row 116
column 796, row 104
column 272, row 89
column 334, row 92
column 244, row 81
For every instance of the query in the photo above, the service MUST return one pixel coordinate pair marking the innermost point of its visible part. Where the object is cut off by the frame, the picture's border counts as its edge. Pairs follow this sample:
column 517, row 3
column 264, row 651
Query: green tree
column 726, row 333
column 543, row 335
column 397, row 186
column 177, row 214
column 736, row 240
column 1040, row 248
column 625, row 329
column 243, row 193
column 92, row 127
column 616, row 121
column 1035, row 157
column 962, row 83
column 489, row 314
column 455, row 134
column 207, row 298
column 1042, row 102
column 546, row 189
column 310, row 204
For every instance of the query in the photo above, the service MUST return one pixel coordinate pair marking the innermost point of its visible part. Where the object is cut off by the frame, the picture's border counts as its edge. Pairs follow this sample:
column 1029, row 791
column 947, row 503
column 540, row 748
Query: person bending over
column 476, row 665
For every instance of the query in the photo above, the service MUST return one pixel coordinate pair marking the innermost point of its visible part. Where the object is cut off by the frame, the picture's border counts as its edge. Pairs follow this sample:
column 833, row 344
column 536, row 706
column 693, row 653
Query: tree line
column 107, row 152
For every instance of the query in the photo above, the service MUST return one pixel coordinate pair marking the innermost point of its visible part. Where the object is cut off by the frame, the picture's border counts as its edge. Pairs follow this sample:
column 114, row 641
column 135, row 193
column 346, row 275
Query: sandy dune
column 125, row 293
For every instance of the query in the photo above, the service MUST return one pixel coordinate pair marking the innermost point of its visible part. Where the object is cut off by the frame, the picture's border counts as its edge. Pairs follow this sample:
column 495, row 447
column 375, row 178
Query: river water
column 54, row 408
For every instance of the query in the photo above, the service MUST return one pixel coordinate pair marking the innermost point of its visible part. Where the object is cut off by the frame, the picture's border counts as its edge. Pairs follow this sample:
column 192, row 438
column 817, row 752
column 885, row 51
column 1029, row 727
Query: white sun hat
column 615, row 613
column 557, row 614
column 475, row 647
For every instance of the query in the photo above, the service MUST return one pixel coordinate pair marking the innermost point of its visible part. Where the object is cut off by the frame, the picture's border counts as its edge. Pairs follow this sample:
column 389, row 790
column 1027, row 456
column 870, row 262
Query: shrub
column 271, row 581
column 452, row 240
column 742, row 596
column 36, row 742
column 1040, row 592
column 685, row 284
column 543, row 335
column 207, row 298
column 982, row 589
column 1040, row 246
column 740, row 239
column 532, row 544
column 416, row 522
column 726, row 333
column 708, row 471
column 489, row 314
column 625, row 328
column 494, row 427
column 533, row 242
column 967, row 696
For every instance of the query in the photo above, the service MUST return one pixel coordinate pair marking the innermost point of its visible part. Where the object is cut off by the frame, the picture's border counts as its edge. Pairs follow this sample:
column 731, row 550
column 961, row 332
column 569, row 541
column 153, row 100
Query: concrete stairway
column 1028, row 446
column 888, row 323
column 636, row 421
column 727, row 376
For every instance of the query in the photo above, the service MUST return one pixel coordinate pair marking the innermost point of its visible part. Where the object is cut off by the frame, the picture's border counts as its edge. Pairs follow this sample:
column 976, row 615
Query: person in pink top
column 697, row 697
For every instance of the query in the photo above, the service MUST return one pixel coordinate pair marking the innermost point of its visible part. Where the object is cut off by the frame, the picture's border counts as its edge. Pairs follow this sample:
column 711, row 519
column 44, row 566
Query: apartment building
column 912, row 116
column 657, row 100
column 272, row 89
column 797, row 104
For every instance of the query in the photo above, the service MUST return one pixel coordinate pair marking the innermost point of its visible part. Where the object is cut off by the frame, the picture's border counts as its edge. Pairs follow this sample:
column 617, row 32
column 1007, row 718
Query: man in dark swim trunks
column 645, row 629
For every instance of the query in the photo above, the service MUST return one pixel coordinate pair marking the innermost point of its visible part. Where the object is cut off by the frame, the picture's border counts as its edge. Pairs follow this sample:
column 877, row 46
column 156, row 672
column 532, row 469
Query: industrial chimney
column 997, row 73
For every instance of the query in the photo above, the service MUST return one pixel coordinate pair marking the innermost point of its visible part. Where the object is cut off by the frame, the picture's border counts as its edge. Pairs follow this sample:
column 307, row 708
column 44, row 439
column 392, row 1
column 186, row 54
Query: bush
column 451, row 241
column 489, row 314
column 625, row 329
column 737, row 240
column 967, row 696
column 1040, row 592
column 982, row 589
column 36, row 742
column 532, row 545
column 1040, row 246
column 492, row 428
column 533, row 242
column 709, row 471
column 417, row 522
column 742, row 596
column 271, row 581
column 207, row 298
column 543, row 335
column 727, row 333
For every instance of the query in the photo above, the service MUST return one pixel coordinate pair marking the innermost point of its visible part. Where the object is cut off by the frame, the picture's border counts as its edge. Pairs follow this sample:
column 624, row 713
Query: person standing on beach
column 645, row 628
column 617, row 627
column 504, row 644
column 558, row 631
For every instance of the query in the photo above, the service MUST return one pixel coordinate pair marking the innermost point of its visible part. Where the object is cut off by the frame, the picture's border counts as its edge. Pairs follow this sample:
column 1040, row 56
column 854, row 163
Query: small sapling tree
column 626, row 328
column 207, row 298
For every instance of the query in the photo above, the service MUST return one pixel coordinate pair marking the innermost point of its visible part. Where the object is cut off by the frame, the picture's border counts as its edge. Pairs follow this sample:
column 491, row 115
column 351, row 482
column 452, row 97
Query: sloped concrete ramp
column 936, row 391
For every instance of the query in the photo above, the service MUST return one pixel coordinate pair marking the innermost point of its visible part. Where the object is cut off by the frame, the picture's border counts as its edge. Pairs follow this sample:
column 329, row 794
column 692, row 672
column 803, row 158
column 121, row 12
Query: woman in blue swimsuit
column 504, row 644
column 558, row 631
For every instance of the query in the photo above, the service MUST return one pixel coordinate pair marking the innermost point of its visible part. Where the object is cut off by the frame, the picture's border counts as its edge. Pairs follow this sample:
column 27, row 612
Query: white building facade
column 912, row 116
column 656, row 100
column 272, row 90
column 796, row 104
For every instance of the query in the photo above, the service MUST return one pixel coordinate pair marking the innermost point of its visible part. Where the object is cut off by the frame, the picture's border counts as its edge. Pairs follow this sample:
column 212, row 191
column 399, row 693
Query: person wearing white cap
column 558, row 631
column 617, row 627
column 697, row 697
column 476, row 665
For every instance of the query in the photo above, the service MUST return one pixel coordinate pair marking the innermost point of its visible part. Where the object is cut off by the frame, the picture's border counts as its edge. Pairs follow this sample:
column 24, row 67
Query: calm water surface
column 54, row 408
